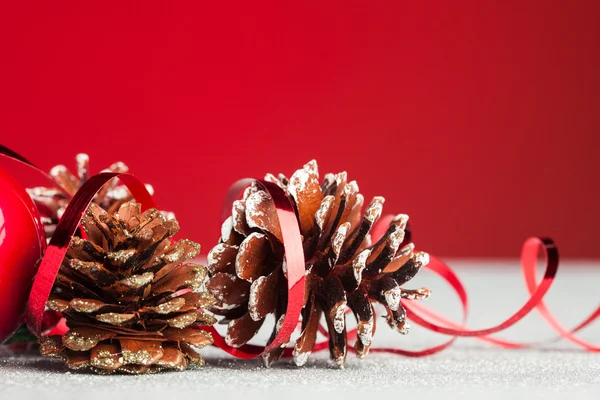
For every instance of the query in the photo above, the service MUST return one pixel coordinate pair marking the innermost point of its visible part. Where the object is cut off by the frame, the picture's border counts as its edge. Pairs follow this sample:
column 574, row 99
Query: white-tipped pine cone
column 343, row 268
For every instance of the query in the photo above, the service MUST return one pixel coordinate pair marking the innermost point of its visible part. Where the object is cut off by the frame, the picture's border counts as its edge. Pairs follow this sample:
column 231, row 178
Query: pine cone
column 52, row 202
column 129, row 298
column 343, row 268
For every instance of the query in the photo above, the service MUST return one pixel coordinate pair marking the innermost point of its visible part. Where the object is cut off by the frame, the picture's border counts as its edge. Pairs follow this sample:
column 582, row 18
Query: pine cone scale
column 263, row 296
column 311, row 316
column 305, row 189
column 230, row 291
column 250, row 262
column 262, row 214
column 241, row 330
column 106, row 356
column 222, row 258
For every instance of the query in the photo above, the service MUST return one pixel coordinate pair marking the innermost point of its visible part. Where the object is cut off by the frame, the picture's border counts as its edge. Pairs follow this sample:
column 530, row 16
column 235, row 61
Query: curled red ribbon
column 294, row 256
column 296, row 269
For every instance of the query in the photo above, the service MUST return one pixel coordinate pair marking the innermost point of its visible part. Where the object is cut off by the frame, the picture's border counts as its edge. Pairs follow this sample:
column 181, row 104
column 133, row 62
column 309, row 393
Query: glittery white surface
column 469, row 370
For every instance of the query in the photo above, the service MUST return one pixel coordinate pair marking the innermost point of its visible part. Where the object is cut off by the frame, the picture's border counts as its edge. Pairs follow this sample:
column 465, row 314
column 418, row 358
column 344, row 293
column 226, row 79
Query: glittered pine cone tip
column 344, row 269
column 52, row 201
column 129, row 295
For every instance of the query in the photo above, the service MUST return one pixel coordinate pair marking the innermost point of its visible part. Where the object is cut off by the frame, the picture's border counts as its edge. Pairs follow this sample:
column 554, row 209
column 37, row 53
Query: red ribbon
column 294, row 256
column 296, row 269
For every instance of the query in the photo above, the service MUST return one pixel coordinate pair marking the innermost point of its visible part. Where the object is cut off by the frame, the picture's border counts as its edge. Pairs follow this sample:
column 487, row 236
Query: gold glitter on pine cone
column 129, row 295
column 52, row 202
column 343, row 268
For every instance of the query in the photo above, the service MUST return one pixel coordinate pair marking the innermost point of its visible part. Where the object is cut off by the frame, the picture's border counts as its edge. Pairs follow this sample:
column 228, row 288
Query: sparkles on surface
column 459, row 373
column 469, row 370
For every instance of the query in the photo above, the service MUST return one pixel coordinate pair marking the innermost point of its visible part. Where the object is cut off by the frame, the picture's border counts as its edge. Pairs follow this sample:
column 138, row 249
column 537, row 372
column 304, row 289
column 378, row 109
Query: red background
column 480, row 121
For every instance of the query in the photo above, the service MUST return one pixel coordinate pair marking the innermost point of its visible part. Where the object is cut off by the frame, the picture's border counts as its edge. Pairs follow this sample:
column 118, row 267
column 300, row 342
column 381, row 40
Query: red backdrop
column 480, row 120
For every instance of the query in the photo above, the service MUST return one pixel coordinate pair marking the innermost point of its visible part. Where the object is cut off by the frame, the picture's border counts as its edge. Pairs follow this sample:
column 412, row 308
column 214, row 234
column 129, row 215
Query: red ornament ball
column 22, row 244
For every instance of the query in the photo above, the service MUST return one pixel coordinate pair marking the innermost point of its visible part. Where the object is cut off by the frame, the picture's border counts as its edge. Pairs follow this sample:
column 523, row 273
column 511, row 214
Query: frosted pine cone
column 52, row 202
column 343, row 268
column 129, row 296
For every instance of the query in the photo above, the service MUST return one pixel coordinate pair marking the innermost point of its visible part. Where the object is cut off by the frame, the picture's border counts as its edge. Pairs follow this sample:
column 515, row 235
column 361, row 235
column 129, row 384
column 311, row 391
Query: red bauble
column 22, row 245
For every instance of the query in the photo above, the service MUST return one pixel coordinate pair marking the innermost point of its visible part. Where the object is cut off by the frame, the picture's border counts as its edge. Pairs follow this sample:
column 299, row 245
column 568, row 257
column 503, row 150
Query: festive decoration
column 21, row 248
column 126, row 326
column 344, row 269
column 52, row 201
column 129, row 296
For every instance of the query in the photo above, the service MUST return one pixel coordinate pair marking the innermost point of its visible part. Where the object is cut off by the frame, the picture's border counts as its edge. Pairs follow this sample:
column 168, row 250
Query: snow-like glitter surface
column 469, row 370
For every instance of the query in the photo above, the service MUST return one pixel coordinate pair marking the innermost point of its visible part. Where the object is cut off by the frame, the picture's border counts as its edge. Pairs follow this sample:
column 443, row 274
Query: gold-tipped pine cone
column 344, row 269
column 131, row 299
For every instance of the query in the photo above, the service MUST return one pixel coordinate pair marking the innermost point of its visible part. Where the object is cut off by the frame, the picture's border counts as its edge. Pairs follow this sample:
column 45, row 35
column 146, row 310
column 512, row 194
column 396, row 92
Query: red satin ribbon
column 295, row 268
column 294, row 257
column 529, row 261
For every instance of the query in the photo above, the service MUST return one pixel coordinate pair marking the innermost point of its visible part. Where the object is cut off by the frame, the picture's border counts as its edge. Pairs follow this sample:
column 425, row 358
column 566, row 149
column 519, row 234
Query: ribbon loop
column 529, row 258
